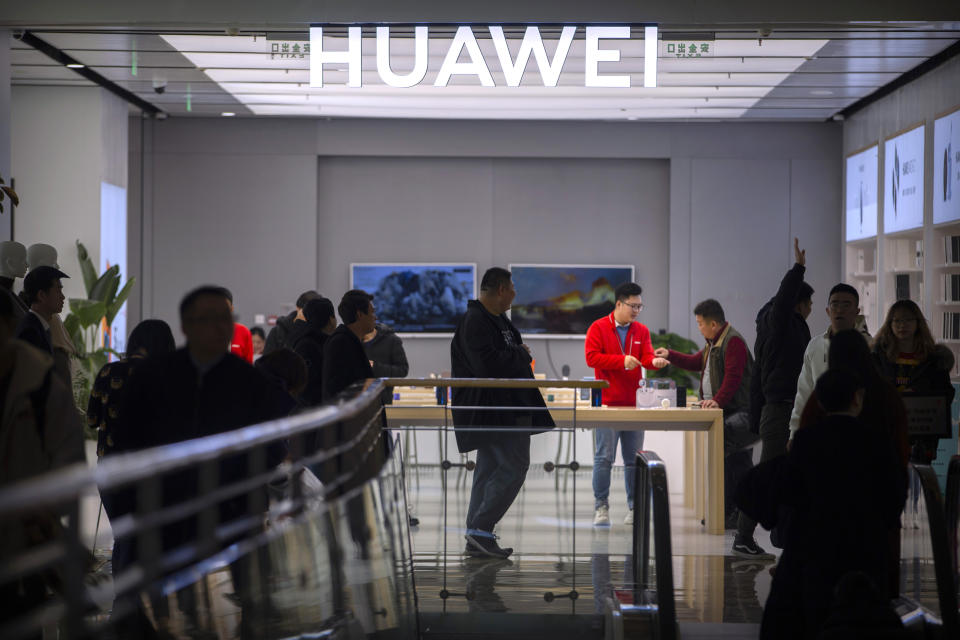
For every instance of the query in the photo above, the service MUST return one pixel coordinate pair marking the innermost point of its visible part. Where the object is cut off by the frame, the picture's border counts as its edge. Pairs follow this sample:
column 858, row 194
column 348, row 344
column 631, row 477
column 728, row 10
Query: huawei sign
column 600, row 47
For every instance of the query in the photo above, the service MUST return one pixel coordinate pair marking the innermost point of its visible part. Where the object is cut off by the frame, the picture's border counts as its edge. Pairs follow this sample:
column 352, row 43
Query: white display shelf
column 916, row 233
column 947, row 303
column 865, row 275
column 905, row 270
column 948, row 265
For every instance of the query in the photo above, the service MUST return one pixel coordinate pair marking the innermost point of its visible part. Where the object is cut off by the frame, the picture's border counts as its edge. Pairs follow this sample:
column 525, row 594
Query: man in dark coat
column 782, row 337
column 307, row 340
column 197, row 391
column 344, row 360
column 487, row 345
column 280, row 335
column 385, row 350
column 43, row 291
column 858, row 499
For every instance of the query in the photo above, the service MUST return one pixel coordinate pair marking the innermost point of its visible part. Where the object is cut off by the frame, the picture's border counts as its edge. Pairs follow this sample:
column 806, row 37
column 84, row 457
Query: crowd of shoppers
column 810, row 401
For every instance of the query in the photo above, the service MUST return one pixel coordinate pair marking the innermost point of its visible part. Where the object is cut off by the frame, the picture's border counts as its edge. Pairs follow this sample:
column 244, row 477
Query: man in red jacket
column 616, row 347
column 242, row 343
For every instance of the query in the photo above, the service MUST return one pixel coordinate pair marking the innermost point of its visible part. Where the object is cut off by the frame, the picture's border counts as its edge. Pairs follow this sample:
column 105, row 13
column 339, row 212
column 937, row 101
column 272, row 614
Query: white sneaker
column 629, row 518
column 601, row 517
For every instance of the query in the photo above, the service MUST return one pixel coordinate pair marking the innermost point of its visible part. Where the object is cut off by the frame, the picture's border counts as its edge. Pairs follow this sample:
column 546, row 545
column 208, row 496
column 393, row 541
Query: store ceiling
column 791, row 74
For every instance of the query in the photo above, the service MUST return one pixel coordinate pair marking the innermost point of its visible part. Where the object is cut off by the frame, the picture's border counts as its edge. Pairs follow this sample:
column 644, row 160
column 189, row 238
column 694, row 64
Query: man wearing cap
column 43, row 291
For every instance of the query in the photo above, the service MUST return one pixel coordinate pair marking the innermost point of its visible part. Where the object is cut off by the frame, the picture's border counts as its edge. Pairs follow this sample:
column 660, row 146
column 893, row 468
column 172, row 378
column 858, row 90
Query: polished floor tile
column 563, row 564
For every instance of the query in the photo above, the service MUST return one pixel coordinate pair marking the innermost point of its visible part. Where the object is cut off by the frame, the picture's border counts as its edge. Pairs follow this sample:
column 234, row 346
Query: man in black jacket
column 197, row 391
column 307, row 340
column 385, row 350
column 782, row 337
column 344, row 360
column 858, row 501
column 280, row 335
column 43, row 291
column 487, row 345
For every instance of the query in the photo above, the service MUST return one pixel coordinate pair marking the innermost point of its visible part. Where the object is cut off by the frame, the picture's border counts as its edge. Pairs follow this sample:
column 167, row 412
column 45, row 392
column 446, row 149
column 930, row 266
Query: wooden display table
column 703, row 441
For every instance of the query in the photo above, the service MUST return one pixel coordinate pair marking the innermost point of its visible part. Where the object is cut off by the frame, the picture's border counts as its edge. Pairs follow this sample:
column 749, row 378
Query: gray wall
column 65, row 141
column 496, row 211
column 237, row 201
column 232, row 203
column 5, row 217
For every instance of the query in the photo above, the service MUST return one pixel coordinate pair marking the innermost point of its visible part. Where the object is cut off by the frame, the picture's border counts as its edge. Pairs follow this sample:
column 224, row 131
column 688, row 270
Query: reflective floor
column 564, row 565
column 559, row 583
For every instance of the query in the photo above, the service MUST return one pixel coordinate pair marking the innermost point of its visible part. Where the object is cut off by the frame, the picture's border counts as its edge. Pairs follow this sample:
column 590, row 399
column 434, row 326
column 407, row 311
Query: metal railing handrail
column 62, row 490
column 122, row 469
column 650, row 493
column 496, row 383
column 942, row 555
column 952, row 514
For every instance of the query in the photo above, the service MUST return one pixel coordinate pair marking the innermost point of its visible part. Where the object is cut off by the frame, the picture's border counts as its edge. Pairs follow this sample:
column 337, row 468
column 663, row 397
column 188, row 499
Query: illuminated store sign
column 600, row 45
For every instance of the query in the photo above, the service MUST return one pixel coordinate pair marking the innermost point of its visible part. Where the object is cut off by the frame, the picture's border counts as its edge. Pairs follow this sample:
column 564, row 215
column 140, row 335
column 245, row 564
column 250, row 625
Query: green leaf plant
column 682, row 377
column 7, row 191
column 87, row 320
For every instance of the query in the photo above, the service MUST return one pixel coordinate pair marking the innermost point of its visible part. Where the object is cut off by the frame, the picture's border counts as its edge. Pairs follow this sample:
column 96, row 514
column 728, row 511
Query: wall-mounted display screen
column 563, row 300
column 946, row 168
column 417, row 297
column 862, row 171
column 903, row 181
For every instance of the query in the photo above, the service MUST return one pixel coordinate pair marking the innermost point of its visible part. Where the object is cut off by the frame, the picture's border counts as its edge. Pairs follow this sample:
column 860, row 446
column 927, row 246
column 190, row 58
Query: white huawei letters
column 392, row 79
column 464, row 45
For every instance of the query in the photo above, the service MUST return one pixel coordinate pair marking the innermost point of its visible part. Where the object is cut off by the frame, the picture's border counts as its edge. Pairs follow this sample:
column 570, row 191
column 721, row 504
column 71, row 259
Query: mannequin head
column 42, row 255
column 13, row 259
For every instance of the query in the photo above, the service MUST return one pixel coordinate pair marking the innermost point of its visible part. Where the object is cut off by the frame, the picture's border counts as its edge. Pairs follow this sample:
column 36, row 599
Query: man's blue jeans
column 497, row 479
column 606, row 452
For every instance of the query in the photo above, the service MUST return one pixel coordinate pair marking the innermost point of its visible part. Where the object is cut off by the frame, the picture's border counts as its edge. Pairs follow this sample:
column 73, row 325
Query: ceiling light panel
column 737, row 75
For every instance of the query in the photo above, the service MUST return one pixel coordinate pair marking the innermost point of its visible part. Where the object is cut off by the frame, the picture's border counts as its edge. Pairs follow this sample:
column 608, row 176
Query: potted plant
column 90, row 318
column 682, row 377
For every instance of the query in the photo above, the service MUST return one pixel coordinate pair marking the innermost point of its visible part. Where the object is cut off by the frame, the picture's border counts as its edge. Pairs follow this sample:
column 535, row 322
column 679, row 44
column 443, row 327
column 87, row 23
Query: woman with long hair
column 907, row 357
column 150, row 338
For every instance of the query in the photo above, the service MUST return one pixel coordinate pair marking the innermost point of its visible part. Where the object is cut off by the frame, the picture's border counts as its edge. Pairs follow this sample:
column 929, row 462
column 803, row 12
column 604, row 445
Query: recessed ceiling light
column 228, row 114
column 75, row 65
column 821, row 92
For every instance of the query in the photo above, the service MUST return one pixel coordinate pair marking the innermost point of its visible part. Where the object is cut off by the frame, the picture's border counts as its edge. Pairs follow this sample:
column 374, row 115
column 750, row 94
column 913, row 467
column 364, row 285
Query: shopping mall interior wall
column 5, row 217
column 496, row 211
column 231, row 203
column 237, row 202
column 65, row 142
column 738, row 193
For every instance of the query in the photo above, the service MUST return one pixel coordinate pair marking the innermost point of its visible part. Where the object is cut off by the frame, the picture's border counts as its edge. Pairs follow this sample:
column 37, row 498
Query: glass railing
column 319, row 546
column 927, row 570
column 652, row 550
column 952, row 514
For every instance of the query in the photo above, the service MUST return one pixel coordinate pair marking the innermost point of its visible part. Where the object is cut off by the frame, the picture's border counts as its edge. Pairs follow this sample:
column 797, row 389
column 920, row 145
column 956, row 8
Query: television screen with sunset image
column 563, row 300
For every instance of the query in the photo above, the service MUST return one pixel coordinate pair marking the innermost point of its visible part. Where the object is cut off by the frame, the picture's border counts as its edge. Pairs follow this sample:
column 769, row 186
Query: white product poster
column 862, row 194
column 903, row 181
column 946, row 168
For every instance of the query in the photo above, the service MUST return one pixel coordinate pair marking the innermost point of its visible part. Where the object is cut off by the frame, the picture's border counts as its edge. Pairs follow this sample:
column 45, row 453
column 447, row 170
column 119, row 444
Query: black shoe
column 750, row 549
column 414, row 521
column 485, row 547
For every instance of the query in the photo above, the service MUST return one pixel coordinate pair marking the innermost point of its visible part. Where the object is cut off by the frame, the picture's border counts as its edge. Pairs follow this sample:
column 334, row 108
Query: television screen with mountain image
column 421, row 298
column 563, row 300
